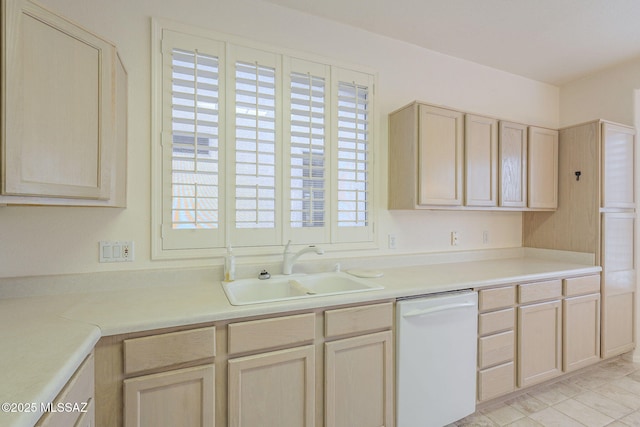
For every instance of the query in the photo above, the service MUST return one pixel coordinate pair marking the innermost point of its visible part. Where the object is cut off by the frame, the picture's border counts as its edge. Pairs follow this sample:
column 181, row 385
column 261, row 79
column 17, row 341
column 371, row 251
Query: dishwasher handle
column 437, row 309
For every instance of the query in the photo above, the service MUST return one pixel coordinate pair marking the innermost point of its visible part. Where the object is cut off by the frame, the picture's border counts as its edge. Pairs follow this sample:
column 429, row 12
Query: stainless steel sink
column 294, row 286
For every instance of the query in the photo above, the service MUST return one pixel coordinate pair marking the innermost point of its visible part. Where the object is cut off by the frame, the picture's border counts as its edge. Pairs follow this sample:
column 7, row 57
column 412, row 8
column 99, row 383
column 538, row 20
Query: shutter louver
column 353, row 155
column 255, row 149
column 194, row 176
column 308, row 180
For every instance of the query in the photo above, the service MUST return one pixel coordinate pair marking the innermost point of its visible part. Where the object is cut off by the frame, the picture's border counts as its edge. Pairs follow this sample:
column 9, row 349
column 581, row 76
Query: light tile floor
column 607, row 394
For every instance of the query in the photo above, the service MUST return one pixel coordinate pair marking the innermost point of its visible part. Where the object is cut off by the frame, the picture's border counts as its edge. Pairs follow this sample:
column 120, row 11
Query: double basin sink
column 294, row 286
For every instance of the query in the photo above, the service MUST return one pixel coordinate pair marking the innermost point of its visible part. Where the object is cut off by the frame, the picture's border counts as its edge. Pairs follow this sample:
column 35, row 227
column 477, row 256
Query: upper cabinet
column 542, row 177
column 618, row 154
column 481, row 160
column 445, row 159
column 513, row 165
column 64, row 108
column 425, row 161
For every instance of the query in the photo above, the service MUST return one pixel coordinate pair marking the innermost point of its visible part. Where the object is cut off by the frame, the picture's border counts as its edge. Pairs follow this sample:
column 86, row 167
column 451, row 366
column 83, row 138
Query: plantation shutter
column 353, row 172
column 256, row 130
column 306, row 142
column 191, row 142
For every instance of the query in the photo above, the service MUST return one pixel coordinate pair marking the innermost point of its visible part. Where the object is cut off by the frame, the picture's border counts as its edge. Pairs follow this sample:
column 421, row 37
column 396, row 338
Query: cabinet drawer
column 539, row 291
column 354, row 320
column 491, row 299
column 582, row 285
column 495, row 349
column 496, row 321
column 157, row 351
column 496, row 381
column 78, row 390
column 271, row 333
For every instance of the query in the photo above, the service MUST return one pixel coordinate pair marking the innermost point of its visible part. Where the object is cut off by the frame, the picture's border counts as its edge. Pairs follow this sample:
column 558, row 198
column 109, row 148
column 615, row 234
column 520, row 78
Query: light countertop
column 45, row 338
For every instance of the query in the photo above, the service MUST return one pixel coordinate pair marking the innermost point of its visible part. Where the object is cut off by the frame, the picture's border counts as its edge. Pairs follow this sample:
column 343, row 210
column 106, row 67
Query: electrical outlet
column 392, row 241
column 454, row 238
column 120, row 251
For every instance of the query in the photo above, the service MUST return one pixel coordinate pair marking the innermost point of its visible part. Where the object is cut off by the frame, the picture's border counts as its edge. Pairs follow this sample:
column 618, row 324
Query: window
column 257, row 147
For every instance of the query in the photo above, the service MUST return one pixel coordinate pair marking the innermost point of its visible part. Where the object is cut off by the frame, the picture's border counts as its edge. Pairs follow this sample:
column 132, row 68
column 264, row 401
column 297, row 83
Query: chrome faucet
column 290, row 258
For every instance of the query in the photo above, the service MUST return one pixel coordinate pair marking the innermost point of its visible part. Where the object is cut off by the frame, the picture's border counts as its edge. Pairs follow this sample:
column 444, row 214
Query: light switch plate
column 119, row 251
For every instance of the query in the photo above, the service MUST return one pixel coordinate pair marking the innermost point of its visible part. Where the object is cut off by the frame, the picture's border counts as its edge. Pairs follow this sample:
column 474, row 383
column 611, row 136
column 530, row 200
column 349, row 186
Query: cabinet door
column 539, row 342
column 513, row 165
column 273, row 389
column 359, row 381
column 618, row 157
column 618, row 332
column 542, row 168
column 481, row 161
column 182, row 397
column 58, row 81
column 581, row 331
column 440, row 145
column 618, row 252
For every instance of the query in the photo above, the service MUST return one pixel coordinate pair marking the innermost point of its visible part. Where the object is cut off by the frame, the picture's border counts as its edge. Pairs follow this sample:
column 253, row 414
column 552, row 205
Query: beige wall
column 46, row 240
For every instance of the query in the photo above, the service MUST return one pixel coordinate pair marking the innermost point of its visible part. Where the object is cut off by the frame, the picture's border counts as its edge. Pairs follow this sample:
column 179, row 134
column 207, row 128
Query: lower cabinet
column 539, row 342
column 158, row 392
column 79, row 391
column 358, row 381
column 272, row 386
column 183, row 397
column 618, row 335
column 555, row 329
column 273, row 389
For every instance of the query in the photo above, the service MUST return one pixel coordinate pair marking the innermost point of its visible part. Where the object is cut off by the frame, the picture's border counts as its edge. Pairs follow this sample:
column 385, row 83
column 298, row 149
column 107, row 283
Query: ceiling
column 553, row 41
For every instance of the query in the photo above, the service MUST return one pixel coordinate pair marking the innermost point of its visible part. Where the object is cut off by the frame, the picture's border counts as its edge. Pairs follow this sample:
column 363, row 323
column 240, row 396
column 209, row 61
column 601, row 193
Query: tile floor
column 607, row 394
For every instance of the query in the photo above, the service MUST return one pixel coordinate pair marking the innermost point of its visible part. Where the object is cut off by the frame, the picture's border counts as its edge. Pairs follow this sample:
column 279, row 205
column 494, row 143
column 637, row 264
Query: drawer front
column 354, row 320
column 492, row 299
column 78, row 390
column 496, row 349
column 157, row 351
column 539, row 291
column 496, row 381
column 271, row 333
column 582, row 285
column 496, row 321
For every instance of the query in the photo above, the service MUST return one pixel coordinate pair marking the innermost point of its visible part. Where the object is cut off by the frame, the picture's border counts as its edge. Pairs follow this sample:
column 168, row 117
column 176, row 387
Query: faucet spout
column 290, row 259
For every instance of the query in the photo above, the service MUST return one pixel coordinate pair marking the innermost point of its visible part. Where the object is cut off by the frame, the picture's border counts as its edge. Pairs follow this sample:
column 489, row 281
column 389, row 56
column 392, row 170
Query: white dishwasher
column 436, row 358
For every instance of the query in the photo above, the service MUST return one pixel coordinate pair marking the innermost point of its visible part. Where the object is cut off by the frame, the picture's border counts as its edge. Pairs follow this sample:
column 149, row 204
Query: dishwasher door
column 436, row 359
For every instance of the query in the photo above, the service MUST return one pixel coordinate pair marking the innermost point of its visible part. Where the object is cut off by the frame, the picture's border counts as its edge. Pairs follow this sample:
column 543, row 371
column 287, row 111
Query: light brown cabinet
column 359, row 369
column 513, row 165
column 78, row 392
column 542, row 169
column 64, row 136
column 481, row 160
column 496, row 342
column 532, row 332
column 597, row 215
column 272, row 387
column 440, row 158
column 426, row 154
column 173, row 396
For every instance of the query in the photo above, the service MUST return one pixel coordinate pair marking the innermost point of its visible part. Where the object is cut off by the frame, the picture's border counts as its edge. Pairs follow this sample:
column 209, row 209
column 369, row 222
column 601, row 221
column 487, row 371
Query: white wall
column 48, row 240
column 608, row 95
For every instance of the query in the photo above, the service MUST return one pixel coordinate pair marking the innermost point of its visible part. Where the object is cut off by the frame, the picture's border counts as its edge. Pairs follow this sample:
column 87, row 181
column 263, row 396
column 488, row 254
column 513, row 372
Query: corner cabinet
column 597, row 215
column 64, row 108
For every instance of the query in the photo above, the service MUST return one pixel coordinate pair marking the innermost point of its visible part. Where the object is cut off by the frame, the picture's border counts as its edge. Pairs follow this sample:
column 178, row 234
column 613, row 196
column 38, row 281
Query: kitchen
column 47, row 246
